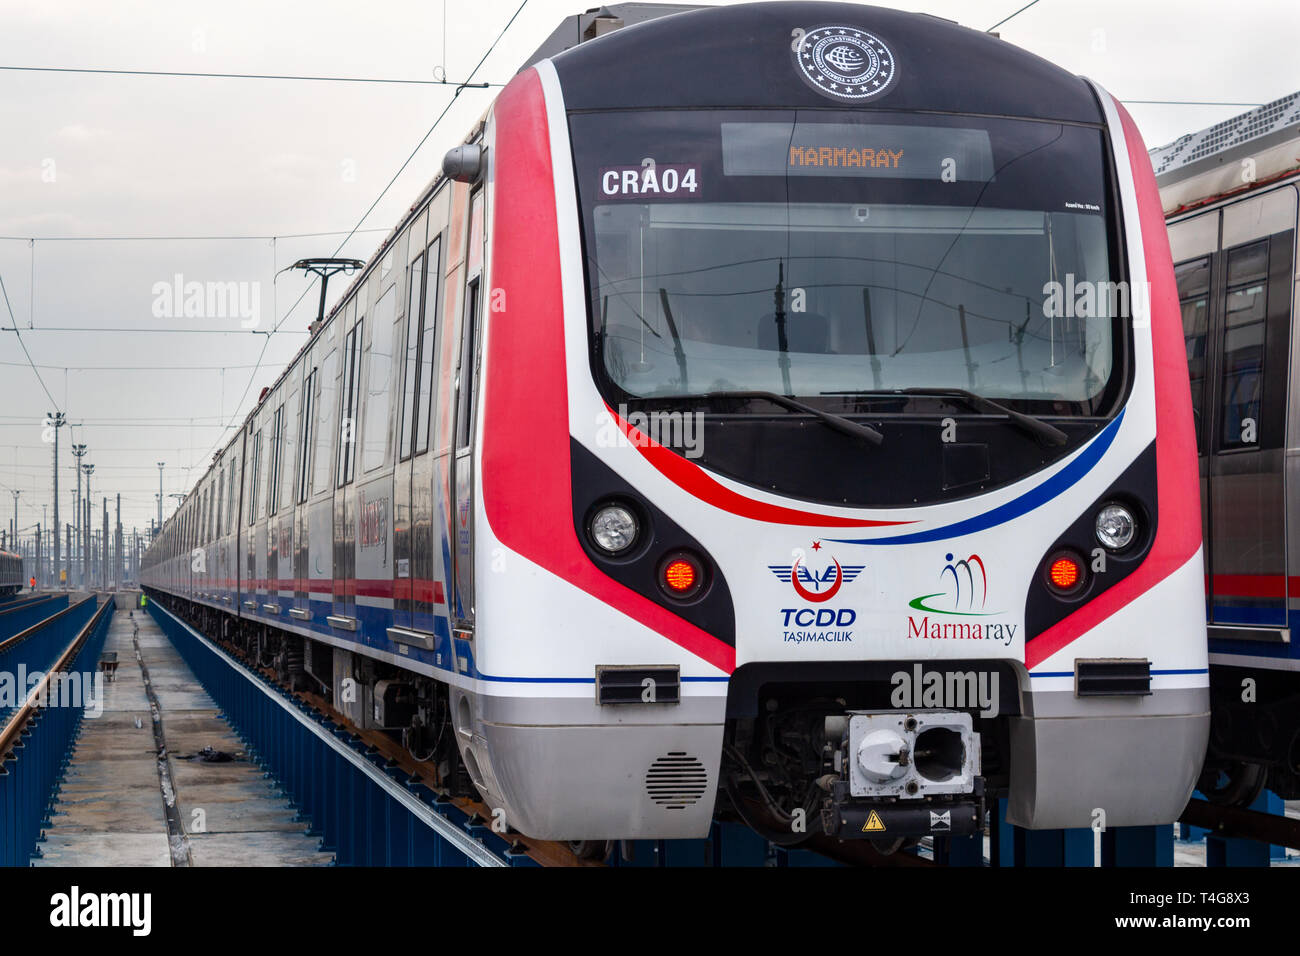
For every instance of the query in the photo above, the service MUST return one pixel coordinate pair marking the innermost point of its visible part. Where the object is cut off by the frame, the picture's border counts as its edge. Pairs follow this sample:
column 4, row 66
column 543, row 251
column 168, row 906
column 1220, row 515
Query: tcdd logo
column 816, row 585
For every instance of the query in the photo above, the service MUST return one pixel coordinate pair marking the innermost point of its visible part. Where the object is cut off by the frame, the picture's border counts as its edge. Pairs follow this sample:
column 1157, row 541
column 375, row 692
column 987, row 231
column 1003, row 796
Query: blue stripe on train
column 1034, row 498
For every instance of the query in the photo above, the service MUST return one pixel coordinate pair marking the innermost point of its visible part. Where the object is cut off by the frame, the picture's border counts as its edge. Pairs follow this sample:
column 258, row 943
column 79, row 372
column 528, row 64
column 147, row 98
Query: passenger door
column 403, row 525
column 462, row 606
column 345, row 518
column 301, row 610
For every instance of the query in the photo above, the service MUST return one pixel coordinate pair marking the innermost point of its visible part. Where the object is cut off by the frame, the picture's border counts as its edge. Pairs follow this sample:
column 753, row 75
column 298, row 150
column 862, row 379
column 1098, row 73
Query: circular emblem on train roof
column 844, row 62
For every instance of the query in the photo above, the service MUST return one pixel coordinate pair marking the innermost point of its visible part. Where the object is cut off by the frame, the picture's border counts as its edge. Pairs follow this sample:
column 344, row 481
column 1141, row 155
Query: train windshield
column 826, row 254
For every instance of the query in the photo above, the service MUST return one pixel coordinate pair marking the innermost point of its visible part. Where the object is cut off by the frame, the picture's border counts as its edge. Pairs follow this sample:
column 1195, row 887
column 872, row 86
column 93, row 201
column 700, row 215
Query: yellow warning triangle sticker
column 873, row 824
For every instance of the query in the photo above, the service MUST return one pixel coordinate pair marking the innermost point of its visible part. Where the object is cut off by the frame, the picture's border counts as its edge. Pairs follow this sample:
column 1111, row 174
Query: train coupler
column 865, row 821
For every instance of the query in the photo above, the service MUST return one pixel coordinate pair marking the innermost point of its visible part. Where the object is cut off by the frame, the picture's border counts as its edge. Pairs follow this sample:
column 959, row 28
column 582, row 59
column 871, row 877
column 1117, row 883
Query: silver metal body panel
column 1074, row 769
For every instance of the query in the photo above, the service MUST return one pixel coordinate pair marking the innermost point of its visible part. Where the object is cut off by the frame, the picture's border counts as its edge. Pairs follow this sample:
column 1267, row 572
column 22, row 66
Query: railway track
column 37, row 734
column 391, row 766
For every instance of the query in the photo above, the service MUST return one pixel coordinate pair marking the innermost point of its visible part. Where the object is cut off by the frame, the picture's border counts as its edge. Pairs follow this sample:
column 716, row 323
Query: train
column 1229, row 193
column 773, row 413
column 11, row 574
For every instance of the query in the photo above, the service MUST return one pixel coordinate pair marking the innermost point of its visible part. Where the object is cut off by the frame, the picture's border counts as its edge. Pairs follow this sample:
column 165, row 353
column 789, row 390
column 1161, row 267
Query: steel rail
column 21, row 636
column 19, row 604
column 14, row 727
column 458, row 838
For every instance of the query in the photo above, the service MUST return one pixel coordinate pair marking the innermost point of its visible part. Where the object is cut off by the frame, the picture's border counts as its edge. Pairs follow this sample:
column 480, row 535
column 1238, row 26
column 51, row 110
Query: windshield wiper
column 837, row 422
column 1034, row 426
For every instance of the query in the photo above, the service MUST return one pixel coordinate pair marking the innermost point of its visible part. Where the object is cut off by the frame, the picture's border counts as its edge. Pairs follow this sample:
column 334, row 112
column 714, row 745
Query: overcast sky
column 84, row 155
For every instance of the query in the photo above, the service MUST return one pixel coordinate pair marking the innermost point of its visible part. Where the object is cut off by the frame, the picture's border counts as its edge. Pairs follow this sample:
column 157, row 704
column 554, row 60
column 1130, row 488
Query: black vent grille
column 638, row 685
column 676, row 781
column 1112, row 678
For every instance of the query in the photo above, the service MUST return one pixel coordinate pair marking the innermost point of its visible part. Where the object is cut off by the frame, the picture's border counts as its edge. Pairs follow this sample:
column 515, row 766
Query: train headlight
column 614, row 529
column 1116, row 527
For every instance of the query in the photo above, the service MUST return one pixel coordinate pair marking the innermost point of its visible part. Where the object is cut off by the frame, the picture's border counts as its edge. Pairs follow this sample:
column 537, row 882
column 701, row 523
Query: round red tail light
column 682, row 576
column 1065, row 574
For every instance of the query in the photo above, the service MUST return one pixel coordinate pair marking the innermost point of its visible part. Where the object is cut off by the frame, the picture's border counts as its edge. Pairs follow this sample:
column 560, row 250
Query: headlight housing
column 614, row 528
column 1116, row 526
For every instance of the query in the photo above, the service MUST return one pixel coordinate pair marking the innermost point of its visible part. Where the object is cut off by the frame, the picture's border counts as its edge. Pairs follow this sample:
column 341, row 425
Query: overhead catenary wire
column 14, row 329
column 130, row 368
column 1012, row 16
column 1128, row 102
column 249, row 76
column 187, row 238
column 146, row 331
column 371, row 208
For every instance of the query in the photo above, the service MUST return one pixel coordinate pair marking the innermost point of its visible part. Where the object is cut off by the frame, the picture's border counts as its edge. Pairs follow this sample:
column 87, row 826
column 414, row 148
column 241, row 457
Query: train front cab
column 619, row 305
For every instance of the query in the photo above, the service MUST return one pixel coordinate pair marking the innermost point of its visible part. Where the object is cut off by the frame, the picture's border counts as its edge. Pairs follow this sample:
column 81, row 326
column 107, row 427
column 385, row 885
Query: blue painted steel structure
column 20, row 615
column 30, row 774
column 366, row 811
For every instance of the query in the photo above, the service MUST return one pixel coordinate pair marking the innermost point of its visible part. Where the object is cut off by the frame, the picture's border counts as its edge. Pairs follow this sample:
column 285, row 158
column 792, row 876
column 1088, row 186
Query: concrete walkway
column 111, row 809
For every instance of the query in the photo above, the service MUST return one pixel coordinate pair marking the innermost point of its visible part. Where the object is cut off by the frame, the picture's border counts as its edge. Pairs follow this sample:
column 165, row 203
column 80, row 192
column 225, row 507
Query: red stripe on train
column 1178, row 534
column 1255, row 585
column 695, row 481
column 527, row 484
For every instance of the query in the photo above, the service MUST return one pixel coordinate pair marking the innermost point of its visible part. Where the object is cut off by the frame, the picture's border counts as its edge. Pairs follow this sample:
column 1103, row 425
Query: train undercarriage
column 410, row 708
column 1254, row 736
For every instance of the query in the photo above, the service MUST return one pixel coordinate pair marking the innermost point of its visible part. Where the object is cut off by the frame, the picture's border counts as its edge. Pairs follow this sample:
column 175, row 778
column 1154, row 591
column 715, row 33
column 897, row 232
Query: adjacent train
column 1230, row 195
column 11, row 574
column 774, row 413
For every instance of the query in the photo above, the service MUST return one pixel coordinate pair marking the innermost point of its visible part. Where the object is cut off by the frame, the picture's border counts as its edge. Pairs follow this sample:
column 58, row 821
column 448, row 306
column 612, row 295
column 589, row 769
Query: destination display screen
column 876, row 151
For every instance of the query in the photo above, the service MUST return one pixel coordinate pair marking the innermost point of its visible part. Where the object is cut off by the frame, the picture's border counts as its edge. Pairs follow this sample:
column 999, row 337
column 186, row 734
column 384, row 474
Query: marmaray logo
column 965, row 584
column 816, row 585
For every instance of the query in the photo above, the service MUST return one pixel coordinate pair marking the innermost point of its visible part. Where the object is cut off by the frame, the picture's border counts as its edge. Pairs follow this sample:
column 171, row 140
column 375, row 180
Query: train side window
column 221, row 500
column 277, row 444
column 1194, row 297
column 263, row 474
column 380, row 376
column 304, row 435
column 231, row 522
column 348, row 418
column 414, row 317
column 288, row 442
column 253, row 477
column 465, row 411
column 1244, row 324
column 325, row 405
column 469, row 330
column 424, row 400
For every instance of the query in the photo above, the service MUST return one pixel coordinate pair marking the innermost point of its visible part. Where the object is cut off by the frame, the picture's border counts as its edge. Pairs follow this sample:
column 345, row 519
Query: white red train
column 1230, row 195
column 775, row 412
